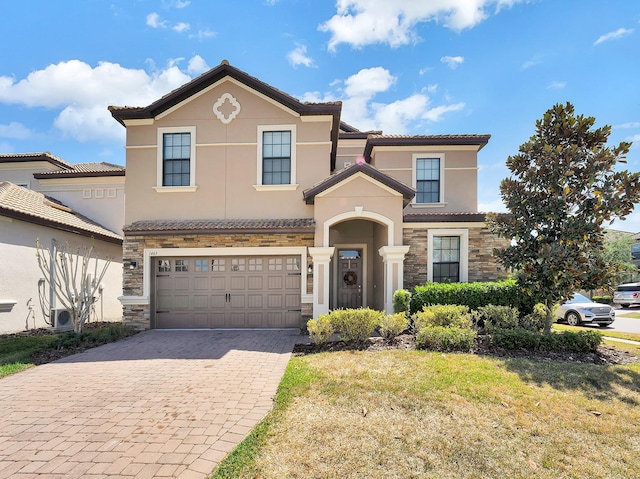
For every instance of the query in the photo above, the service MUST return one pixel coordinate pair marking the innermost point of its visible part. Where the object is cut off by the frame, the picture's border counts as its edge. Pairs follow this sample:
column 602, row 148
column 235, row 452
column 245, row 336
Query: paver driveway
column 158, row 404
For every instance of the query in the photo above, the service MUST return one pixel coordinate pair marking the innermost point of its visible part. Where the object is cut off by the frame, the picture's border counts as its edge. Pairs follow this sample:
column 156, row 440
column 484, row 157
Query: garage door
column 227, row 292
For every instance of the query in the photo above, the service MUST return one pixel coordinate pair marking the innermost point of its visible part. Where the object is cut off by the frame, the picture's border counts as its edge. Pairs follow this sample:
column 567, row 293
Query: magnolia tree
column 74, row 275
column 564, row 187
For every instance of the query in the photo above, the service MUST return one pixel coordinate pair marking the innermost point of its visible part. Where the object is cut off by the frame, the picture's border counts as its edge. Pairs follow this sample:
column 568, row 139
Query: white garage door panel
column 229, row 292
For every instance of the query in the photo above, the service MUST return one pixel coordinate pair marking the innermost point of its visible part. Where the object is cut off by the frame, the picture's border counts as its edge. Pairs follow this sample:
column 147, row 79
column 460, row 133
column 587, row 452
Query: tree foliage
column 564, row 187
column 74, row 276
column 617, row 252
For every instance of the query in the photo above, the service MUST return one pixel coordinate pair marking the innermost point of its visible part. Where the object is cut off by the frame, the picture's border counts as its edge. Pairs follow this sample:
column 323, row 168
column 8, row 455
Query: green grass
column 297, row 378
column 401, row 414
column 16, row 351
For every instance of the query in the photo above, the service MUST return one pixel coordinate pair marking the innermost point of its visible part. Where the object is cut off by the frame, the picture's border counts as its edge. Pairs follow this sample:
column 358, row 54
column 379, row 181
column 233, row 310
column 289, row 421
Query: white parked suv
column 627, row 295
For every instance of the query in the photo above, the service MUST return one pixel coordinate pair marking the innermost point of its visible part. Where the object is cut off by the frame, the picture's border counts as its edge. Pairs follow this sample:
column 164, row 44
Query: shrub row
column 518, row 338
column 472, row 295
column 355, row 325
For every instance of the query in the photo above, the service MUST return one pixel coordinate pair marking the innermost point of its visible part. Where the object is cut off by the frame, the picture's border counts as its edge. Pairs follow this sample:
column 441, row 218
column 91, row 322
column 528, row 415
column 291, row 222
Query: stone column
column 321, row 258
column 393, row 259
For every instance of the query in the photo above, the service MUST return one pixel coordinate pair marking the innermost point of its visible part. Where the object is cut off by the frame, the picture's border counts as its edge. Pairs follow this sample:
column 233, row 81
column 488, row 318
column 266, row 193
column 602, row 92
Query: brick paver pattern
column 158, row 404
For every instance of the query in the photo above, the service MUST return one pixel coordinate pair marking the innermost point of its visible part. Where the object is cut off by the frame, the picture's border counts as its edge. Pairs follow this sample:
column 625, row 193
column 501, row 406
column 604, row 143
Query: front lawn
column 403, row 414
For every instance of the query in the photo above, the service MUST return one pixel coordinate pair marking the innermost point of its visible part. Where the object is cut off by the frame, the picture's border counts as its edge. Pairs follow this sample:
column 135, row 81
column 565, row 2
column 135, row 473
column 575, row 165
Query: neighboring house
column 43, row 197
column 248, row 208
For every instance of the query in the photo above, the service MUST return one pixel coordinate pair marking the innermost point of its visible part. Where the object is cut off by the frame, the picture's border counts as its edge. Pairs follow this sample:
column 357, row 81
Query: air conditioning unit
column 61, row 320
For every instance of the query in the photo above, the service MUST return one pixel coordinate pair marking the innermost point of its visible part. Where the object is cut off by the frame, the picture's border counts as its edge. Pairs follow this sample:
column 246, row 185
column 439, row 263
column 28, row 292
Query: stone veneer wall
column 482, row 265
column 138, row 316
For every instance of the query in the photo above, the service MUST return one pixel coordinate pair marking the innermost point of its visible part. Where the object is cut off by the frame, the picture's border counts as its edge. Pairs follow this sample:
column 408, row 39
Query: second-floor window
column 427, row 180
column 276, row 157
column 176, row 159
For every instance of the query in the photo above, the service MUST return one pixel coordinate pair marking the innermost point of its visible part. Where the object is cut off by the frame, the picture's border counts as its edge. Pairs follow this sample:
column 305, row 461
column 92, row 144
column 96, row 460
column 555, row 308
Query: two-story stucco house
column 248, row 208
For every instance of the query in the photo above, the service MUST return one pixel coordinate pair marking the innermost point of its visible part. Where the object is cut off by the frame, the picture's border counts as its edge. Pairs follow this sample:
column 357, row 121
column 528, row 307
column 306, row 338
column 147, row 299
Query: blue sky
column 403, row 66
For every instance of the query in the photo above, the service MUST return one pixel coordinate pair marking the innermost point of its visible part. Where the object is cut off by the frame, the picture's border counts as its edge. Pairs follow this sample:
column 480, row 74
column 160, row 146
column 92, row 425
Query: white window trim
column 192, row 167
column 464, row 251
column 292, row 185
column 414, row 179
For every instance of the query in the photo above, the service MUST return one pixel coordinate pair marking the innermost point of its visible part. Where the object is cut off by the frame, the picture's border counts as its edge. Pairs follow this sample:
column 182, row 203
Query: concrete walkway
column 158, row 404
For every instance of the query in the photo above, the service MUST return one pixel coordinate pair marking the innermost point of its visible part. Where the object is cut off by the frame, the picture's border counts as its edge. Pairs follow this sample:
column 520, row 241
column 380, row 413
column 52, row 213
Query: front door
column 349, row 278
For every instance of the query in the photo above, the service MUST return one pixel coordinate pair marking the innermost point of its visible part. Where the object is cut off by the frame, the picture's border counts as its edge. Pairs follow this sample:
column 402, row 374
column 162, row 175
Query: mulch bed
column 48, row 355
column 604, row 355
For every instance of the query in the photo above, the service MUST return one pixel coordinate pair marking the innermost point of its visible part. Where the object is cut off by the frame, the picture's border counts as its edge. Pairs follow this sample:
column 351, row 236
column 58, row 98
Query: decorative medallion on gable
column 226, row 108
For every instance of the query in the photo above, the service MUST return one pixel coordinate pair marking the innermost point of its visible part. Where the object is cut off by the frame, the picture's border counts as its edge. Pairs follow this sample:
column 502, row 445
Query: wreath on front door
column 350, row 278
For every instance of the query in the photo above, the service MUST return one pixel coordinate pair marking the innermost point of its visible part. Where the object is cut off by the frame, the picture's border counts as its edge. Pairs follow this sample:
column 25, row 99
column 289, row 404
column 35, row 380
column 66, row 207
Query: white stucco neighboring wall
column 19, row 274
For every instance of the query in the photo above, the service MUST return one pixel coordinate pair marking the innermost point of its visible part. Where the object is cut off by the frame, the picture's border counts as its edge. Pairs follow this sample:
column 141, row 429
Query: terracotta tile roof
column 421, row 140
column 310, row 194
column 84, row 170
column 31, row 206
column 24, row 157
column 221, row 226
column 444, row 217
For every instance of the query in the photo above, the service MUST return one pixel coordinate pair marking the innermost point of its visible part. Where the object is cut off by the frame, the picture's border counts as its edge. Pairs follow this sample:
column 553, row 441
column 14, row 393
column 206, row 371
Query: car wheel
column 624, row 306
column 573, row 318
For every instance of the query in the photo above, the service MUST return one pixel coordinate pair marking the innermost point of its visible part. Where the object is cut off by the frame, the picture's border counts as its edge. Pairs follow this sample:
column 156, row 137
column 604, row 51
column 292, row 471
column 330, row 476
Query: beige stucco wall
column 101, row 199
column 21, row 172
column 363, row 192
column 460, row 174
column 348, row 151
column 226, row 161
column 20, row 273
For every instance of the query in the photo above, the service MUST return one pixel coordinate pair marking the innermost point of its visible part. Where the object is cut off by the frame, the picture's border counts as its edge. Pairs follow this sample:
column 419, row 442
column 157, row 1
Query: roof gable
column 198, row 84
column 348, row 173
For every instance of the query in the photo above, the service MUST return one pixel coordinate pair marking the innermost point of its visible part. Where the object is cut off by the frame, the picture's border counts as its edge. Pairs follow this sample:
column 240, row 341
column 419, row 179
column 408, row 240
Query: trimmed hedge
column 355, row 324
column 473, row 295
column 603, row 299
column 440, row 338
column 575, row 342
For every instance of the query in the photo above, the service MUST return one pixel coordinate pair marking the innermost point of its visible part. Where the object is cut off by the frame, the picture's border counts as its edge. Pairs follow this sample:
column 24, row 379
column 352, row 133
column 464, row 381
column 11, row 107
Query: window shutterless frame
column 176, row 159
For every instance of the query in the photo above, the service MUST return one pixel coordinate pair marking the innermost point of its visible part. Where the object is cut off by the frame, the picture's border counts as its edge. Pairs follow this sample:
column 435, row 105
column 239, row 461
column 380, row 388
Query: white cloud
column 557, row 85
column 620, row 32
column 364, row 22
column 15, row 131
column 360, row 110
column 298, row 56
column 204, row 34
column 435, row 114
column 81, row 94
column 153, row 21
column 452, row 62
column 531, row 63
column 181, row 27
column 369, row 81
column 197, row 65
column 181, row 3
